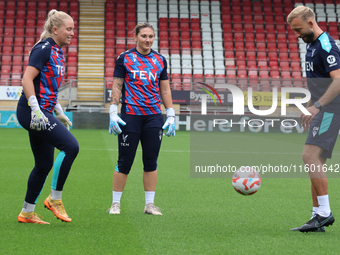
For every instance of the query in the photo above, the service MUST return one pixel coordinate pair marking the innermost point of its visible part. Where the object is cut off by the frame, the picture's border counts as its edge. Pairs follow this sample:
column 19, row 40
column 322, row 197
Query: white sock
column 27, row 207
column 55, row 194
column 149, row 197
column 314, row 212
column 116, row 196
column 324, row 210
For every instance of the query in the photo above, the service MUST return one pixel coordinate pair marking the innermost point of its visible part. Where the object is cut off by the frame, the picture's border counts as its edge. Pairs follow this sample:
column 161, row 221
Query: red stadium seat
column 110, row 52
column 71, row 72
column 164, row 44
column 248, row 28
column 30, row 23
column 74, row 5
column 63, row 6
column 131, row 16
column 29, row 41
column 249, row 37
column 110, row 61
column 31, row 14
column 261, row 46
column 52, row 5
column 9, row 23
column 10, row 5
column 120, row 16
column 109, row 16
column 8, row 41
column 260, row 37
column 120, row 7
column 185, row 44
column 7, row 50
column 6, row 60
column 74, row 14
column 250, row 46
column 17, row 60
column 238, row 27
column 10, row 14
column 238, row 36
column 110, row 33
column 228, row 37
column 271, row 46
column 71, row 61
column 42, row 6
column 164, row 35
column 259, row 28
column 5, row 69
column 72, row 51
column 237, row 18
column 110, row 24
column 248, row 20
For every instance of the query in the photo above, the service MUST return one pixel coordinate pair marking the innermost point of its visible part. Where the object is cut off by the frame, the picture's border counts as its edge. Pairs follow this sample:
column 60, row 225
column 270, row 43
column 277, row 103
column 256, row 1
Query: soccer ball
column 246, row 181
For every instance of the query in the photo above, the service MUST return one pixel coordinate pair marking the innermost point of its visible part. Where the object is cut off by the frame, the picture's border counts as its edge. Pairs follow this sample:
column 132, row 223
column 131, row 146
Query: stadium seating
column 214, row 41
column 21, row 23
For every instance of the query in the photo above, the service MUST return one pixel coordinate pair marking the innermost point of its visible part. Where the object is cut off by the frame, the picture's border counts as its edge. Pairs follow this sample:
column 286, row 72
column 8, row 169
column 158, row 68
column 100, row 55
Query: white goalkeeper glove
column 170, row 122
column 38, row 119
column 115, row 120
column 59, row 113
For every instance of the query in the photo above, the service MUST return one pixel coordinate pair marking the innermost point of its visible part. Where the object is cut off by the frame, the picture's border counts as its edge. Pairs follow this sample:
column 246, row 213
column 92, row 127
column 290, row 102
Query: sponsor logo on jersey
column 60, row 70
column 331, row 60
column 309, row 66
column 142, row 75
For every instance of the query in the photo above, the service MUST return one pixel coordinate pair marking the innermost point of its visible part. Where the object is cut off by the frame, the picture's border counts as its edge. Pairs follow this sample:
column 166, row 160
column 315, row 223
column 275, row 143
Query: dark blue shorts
column 323, row 132
column 144, row 128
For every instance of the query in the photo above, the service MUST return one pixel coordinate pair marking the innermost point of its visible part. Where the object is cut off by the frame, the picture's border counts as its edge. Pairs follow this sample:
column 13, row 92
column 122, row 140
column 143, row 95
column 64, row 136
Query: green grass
column 200, row 215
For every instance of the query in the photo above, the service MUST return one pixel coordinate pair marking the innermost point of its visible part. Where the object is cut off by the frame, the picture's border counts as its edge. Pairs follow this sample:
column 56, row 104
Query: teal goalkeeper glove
column 115, row 120
column 38, row 119
column 59, row 113
column 170, row 122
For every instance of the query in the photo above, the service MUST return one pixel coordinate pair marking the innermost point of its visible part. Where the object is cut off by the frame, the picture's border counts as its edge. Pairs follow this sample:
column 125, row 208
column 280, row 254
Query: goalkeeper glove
column 170, row 122
column 115, row 120
column 38, row 119
column 59, row 113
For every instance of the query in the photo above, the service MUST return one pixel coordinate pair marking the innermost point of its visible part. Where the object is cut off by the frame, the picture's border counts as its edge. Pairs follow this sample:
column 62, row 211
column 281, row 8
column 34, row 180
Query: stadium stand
column 228, row 41
column 21, row 23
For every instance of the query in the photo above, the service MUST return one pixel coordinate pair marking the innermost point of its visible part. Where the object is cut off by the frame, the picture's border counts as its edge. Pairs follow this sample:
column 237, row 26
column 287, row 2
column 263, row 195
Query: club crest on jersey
column 315, row 131
column 313, row 52
column 154, row 60
column 134, row 57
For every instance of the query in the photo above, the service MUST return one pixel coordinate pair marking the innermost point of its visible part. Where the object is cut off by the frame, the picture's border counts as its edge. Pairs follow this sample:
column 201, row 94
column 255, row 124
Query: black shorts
column 144, row 128
column 323, row 132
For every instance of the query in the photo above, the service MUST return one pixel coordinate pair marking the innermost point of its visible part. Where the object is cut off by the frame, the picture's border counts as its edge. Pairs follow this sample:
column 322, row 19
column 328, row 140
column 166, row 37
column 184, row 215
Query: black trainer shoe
column 316, row 224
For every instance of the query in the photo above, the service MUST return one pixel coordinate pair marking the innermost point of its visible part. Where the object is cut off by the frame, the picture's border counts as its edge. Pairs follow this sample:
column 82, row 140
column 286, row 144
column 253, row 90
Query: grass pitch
column 200, row 215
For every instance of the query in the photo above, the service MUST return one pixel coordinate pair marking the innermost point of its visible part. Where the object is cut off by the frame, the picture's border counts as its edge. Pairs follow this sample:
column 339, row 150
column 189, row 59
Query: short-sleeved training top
column 322, row 57
column 141, row 73
column 48, row 57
